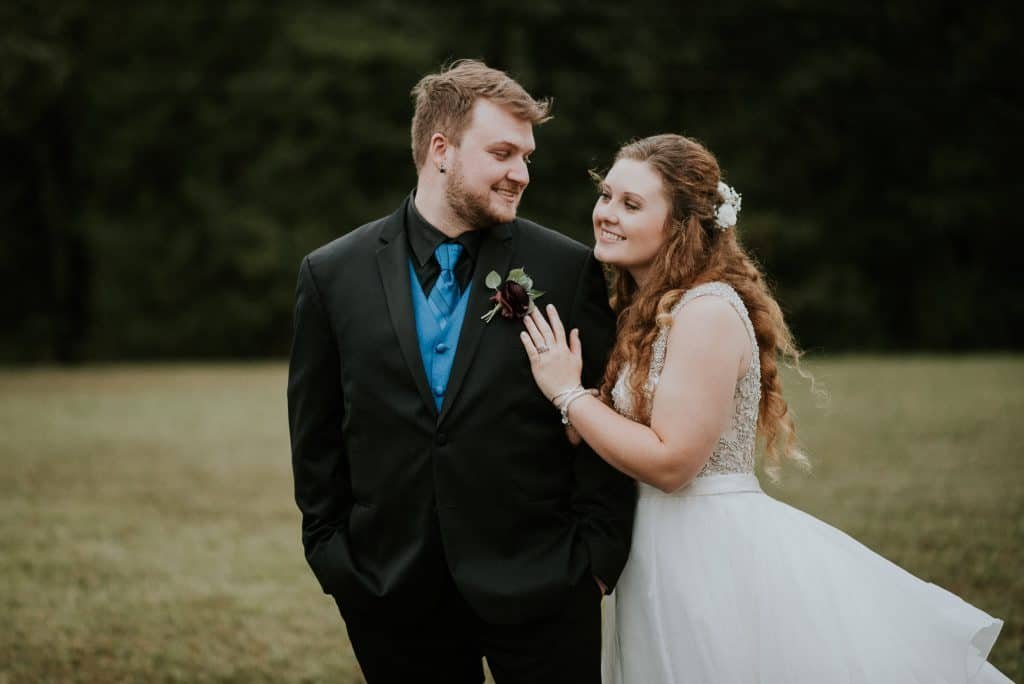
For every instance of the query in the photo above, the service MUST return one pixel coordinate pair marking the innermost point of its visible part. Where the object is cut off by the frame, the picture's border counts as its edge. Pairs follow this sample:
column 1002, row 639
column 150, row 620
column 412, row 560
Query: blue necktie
column 445, row 294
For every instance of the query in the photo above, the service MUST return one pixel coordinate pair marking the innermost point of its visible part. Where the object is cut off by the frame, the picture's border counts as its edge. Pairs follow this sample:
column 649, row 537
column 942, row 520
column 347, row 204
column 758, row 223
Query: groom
column 442, row 505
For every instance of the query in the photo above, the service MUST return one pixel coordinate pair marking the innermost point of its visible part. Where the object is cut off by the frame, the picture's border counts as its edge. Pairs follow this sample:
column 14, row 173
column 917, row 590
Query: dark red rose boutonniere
column 513, row 297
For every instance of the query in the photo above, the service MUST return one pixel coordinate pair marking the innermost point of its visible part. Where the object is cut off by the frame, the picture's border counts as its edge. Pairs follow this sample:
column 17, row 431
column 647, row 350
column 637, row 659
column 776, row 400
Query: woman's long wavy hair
column 697, row 251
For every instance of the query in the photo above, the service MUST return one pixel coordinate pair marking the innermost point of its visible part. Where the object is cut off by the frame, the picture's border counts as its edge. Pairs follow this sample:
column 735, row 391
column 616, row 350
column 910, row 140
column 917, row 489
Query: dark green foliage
column 164, row 166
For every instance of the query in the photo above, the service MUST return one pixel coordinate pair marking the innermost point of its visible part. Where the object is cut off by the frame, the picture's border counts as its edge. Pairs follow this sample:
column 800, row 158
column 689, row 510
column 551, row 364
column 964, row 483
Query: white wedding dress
column 726, row 585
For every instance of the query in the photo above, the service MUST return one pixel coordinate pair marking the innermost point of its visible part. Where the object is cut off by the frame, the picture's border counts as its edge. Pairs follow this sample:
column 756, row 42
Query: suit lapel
column 495, row 255
column 393, row 262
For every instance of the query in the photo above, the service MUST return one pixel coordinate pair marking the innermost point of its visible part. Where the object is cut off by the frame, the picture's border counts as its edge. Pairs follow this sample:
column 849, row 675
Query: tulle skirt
column 725, row 584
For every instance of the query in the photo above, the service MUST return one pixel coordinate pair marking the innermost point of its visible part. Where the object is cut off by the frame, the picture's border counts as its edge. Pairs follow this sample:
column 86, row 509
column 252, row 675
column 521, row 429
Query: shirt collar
column 424, row 238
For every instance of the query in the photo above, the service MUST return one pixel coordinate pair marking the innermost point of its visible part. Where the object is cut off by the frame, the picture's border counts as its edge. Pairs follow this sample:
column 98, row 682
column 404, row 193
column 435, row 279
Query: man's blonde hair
column 444, row 102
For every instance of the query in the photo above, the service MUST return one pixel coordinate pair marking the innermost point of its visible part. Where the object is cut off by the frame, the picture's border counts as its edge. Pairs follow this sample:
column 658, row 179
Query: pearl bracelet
column 563, row 393
column 576, row 394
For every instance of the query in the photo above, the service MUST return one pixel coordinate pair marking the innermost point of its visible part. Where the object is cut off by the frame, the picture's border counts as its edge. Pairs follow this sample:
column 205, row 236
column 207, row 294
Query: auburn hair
column 696, row 251
column 444, row 102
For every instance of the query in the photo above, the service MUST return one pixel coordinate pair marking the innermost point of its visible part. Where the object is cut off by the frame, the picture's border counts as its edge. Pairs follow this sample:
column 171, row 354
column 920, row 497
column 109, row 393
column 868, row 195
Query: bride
column 725, row 584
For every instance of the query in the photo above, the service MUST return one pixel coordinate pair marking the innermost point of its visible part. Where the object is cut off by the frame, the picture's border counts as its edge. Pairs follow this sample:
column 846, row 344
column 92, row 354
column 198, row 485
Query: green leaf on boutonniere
column 518, row 275
column 493, row 280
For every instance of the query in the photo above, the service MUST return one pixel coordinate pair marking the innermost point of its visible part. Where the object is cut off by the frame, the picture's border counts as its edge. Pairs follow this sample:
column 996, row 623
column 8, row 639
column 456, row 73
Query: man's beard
column 474, row 210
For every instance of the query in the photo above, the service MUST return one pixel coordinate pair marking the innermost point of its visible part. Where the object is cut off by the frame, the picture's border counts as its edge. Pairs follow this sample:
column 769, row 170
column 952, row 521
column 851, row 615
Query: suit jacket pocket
column 331, row 562
column 360, row 521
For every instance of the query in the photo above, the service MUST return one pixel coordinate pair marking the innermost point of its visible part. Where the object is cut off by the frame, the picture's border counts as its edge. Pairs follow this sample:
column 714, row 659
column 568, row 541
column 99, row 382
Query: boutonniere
column 513, row 297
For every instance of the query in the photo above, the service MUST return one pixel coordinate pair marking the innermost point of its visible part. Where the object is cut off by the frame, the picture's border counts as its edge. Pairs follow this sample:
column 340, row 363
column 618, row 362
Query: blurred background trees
column 165, row 166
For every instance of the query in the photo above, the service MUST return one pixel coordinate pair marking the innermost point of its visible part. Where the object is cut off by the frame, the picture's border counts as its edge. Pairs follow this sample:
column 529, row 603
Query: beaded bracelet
column 576, row 394
column 561, row 394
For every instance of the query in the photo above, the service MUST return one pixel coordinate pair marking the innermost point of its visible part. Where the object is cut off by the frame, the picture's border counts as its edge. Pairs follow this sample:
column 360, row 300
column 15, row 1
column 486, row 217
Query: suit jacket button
column 441, row 439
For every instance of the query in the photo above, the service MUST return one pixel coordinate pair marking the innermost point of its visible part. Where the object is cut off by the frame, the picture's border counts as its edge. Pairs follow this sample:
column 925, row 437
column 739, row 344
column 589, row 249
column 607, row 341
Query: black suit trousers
column 448, row 647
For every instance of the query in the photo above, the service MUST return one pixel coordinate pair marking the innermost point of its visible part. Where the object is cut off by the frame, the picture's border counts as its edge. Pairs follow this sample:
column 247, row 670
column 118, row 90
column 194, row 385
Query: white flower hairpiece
column 729, row 209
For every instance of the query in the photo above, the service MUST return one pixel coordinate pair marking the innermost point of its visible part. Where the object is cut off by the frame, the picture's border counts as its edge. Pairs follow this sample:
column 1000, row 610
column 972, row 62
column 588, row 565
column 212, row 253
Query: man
column 442, row 505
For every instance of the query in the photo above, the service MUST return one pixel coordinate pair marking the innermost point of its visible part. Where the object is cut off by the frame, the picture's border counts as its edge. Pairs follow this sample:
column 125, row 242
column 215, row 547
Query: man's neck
column 433, row 207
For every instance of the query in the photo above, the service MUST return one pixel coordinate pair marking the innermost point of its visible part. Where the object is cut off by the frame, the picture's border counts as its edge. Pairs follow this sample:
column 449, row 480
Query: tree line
column 165, row 166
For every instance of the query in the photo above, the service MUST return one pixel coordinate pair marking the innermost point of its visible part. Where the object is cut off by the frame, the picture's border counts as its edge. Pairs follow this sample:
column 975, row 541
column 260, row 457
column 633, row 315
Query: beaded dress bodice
column 734, row 452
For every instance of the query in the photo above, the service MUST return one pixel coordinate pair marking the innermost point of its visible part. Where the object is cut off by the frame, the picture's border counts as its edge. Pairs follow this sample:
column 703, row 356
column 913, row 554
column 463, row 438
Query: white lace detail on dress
column 734, row 452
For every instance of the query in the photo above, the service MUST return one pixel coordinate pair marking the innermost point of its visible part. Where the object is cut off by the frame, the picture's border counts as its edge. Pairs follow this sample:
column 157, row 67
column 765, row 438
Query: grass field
column 148, row 531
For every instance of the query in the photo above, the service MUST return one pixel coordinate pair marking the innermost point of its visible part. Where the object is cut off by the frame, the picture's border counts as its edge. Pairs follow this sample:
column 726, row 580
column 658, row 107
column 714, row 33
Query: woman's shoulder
column 707, row 313
column 712, row 312
column 706, row 332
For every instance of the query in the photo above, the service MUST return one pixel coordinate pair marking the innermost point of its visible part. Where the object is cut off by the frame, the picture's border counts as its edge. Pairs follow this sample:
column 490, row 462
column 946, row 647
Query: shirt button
column 441, row 348
column 439, row 390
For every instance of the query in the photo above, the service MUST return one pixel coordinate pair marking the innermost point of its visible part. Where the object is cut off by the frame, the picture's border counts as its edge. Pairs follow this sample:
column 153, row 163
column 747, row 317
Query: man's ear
column 439, row 152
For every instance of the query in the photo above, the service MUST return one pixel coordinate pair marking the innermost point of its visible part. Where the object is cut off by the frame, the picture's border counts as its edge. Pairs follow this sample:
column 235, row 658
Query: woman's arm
column 708, row 351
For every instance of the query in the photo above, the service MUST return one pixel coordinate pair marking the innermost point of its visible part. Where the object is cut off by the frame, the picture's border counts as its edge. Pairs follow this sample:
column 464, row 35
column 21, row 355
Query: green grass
column 148, row 531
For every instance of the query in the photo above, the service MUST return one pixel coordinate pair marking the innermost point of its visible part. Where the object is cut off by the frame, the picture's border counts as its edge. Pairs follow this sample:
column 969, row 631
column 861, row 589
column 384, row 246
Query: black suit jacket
column 394, row 495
